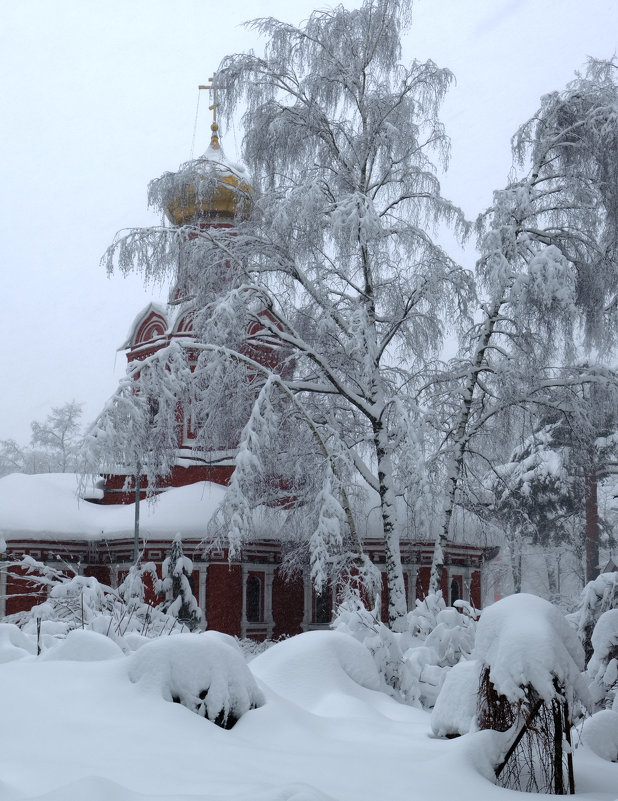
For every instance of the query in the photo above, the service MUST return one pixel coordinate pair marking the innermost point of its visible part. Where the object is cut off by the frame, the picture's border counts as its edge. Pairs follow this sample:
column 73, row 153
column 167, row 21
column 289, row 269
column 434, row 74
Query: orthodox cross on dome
column 214, row 140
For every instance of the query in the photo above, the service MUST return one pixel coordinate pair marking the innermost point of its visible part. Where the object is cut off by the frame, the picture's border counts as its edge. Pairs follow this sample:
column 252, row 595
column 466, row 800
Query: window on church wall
column 254, row 599
column 455, row 591
column 322, row 603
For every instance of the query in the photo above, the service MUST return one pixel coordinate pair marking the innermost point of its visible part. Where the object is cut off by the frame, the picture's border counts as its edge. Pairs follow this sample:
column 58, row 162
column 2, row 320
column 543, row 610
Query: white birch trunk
column 460, row 441
column 397, row 606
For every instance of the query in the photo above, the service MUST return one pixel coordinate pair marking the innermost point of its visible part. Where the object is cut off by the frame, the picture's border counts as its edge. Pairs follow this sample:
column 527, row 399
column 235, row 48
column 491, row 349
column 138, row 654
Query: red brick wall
column 101, row 573
column 224, row 598
column 475, row 589
column 22, row 594
column 288, row 605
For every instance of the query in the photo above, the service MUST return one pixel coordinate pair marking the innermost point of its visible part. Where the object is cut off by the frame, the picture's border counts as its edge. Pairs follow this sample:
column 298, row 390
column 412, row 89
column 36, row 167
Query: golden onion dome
column 209, row 190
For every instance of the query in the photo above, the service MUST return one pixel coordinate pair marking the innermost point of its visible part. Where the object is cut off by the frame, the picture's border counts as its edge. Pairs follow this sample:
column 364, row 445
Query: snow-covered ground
column 80, row 723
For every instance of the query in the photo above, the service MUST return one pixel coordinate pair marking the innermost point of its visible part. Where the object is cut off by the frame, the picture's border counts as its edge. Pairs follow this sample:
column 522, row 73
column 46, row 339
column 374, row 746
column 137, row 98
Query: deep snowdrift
column 76, row 728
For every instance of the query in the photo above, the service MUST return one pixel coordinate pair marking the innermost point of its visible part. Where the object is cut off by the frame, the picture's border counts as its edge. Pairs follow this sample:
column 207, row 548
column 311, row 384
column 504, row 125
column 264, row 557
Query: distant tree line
column 53, row 447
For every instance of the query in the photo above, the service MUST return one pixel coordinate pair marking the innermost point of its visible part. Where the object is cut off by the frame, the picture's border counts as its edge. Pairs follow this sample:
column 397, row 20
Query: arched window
column 455, row 591
column 254, row 599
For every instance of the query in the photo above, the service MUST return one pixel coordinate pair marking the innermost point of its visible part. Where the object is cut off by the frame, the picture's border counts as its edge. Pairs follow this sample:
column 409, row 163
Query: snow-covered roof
column 48, row 506
column 158, row 308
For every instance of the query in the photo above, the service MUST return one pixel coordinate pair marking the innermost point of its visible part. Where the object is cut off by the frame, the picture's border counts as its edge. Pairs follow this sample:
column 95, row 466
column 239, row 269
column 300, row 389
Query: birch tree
column 548, row 269
column 341, row 141
column 138, row 431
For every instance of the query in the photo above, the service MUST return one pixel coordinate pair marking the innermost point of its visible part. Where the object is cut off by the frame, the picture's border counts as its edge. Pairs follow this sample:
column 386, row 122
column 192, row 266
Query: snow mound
column 321, row 671
column 524, row 639
column 200, row 671
column 82, row 645
column 455, row 710
column 600, row 734
column 14, row 644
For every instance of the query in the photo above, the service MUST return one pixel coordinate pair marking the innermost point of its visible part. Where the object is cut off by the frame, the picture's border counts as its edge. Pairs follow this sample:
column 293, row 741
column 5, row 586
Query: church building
column 248, row 596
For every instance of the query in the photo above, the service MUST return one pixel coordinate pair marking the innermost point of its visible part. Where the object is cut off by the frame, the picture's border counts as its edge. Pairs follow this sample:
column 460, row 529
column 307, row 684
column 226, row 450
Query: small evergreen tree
column 180, row 603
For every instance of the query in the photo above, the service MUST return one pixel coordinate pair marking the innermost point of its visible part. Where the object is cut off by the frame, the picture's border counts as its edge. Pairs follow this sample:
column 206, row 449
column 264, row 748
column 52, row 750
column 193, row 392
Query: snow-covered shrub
column 454, row 712
column 530, row 679
column 597, row 597
column 422, row 676
column 452, row 638
column 422, row 620
column 355, row 619
column 181, row 603
column 414, row 662
column 600, row 734
column 204, row 672
column 525, row 640
column 603, row 665
column 76, row 601
column 252, row 648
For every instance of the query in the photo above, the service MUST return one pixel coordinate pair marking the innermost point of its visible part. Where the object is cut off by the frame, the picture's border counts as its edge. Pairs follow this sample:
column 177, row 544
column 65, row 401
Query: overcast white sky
column 97, row 97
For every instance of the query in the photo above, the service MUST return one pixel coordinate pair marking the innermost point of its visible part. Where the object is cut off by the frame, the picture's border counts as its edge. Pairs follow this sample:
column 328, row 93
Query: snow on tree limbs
column 339, row 141
column 547, row 267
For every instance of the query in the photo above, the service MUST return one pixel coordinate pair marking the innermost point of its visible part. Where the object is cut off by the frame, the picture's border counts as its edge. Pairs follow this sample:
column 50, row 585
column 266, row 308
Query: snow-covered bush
column 600, row 734
column 76, row 601
column 204, row 672
column 454, row 712
column 422, row 620
column 355, row 619
column 526, row 641
column 414, row 662
column 603, row 665
column 445, row 637
column 597, row 597
column 452, row 638
column 252, row 648
column 530, row 679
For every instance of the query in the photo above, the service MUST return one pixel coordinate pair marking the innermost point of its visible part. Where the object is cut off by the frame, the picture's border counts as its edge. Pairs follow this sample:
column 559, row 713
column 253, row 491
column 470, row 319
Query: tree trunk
column 138, row 490
column 460, row 442
column 553, row 577
column 516, row 559
column 592, row 521
column 397, row 606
